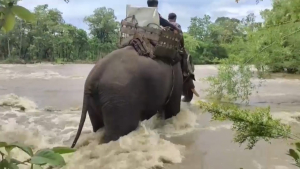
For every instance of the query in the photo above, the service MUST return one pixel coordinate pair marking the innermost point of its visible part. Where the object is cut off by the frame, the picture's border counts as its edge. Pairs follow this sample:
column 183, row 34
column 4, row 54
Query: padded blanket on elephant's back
column 151, row 40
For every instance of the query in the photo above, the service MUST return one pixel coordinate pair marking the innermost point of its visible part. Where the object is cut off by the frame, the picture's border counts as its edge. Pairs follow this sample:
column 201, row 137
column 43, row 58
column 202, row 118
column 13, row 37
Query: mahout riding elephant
column 124, row 88
column 141, row 78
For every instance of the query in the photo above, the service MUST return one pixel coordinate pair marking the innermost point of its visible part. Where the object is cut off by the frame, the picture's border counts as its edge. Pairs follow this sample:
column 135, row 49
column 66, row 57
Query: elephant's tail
column 82, row 119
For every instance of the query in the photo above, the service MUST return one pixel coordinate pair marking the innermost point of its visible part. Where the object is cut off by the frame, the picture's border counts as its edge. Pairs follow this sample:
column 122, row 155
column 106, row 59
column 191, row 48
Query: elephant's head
column 188, row 90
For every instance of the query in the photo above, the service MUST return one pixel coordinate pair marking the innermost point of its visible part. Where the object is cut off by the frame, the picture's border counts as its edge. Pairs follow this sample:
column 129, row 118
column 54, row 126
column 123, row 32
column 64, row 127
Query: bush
column 252, row 126
column 44, row 157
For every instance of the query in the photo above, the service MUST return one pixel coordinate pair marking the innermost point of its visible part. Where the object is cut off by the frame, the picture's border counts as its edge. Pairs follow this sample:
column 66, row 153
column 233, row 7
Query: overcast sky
column 76, row 10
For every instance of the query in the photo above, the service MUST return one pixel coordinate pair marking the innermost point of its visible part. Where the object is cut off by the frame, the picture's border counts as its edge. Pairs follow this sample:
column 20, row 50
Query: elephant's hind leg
column 119, row 120
column 95, row 115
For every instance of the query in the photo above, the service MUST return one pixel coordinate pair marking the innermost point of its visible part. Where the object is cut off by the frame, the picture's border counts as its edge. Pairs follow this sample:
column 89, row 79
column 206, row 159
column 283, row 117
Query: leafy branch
column 295, row 154
column 249, row 126
column 8, row 12
column 51, row 157
column 252, row 126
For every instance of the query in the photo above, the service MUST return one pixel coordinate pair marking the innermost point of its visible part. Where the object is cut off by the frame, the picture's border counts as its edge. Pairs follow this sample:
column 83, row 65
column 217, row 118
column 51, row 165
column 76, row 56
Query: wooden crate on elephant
column 163, row 43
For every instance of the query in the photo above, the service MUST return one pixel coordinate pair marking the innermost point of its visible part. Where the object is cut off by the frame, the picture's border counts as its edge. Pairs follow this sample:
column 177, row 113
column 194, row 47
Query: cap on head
column 152, row 3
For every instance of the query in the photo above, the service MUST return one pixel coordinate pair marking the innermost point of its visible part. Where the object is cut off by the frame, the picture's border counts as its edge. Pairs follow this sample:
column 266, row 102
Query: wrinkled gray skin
column 124, row 88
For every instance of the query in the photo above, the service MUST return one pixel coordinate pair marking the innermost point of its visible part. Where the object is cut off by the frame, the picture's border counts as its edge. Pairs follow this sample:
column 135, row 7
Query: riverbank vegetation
column 236, row 45
column 51, row 39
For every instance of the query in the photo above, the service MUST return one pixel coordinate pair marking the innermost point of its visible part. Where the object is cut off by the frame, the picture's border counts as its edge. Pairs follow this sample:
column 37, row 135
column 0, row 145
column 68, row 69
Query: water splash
column 15, row 101
column 143, row 148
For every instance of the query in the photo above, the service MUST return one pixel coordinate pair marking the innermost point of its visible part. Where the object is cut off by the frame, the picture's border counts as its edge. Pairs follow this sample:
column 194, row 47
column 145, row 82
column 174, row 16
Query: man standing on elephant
column 185, row 70
column 172, row 19
column 163, row 21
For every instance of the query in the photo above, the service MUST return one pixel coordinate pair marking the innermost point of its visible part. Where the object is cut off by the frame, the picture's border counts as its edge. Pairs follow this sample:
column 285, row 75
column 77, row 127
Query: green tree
column 49, row 38
column 208, row 35
column 104, row 30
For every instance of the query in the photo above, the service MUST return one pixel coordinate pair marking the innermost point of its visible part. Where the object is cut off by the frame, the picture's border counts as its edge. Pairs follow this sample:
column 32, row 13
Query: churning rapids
column 52, row 98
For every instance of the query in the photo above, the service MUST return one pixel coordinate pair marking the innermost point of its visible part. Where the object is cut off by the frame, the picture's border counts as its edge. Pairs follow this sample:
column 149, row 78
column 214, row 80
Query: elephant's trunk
column 82, row 118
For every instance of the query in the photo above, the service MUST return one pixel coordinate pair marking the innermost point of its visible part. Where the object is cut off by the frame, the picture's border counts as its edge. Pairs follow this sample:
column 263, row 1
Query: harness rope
column 172, row 88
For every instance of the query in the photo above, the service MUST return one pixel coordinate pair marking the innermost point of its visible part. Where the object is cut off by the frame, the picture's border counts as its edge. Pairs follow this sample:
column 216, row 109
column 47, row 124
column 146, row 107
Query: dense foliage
column 250, row 125
column 49, row 38
column 270, row 46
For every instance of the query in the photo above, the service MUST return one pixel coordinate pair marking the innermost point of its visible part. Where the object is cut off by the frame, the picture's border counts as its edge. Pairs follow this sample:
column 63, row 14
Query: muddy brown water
column 52, row 96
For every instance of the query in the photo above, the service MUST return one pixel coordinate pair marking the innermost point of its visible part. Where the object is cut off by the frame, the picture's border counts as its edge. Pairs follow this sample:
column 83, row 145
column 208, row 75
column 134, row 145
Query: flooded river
column 52, row 96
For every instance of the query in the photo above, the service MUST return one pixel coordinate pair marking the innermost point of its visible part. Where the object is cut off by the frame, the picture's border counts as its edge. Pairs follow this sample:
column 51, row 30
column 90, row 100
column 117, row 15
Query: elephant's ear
column 193, row 77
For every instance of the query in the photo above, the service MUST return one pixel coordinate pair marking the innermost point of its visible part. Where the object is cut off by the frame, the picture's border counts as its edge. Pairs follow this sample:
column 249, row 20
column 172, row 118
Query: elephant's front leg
column 172, row 108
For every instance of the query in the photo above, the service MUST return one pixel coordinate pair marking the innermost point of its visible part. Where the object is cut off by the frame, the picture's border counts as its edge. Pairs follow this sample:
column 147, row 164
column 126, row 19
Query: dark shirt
column 176, row 24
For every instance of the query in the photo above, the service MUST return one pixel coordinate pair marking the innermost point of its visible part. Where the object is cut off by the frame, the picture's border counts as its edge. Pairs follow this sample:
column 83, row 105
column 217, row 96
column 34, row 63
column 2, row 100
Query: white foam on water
column 46, row 74
column 41, row 65
column 142, row 149
column 41, row 74
column 8, row 65
column 277, row 81
column 15, row 101
column 222, row 126
column 287, row 117
column 4, row 71
column 205, row 67
column 281, row 167
column 257, row 165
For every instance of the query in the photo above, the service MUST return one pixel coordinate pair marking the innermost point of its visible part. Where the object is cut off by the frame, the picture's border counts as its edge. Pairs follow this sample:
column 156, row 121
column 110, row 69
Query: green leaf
column 4, row 164
column 1, row 153
column 8, row 148
column 23, row 147
column 3, row 144
column 37, row 167
column 294, row 154
column 48, row 156
column 23, row 13
column 12, row 166
column 298, row 146
column 9, row 21
column 63, row 150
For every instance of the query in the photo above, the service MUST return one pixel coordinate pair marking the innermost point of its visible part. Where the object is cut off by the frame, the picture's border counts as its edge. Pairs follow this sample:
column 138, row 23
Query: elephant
column 124, row 88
